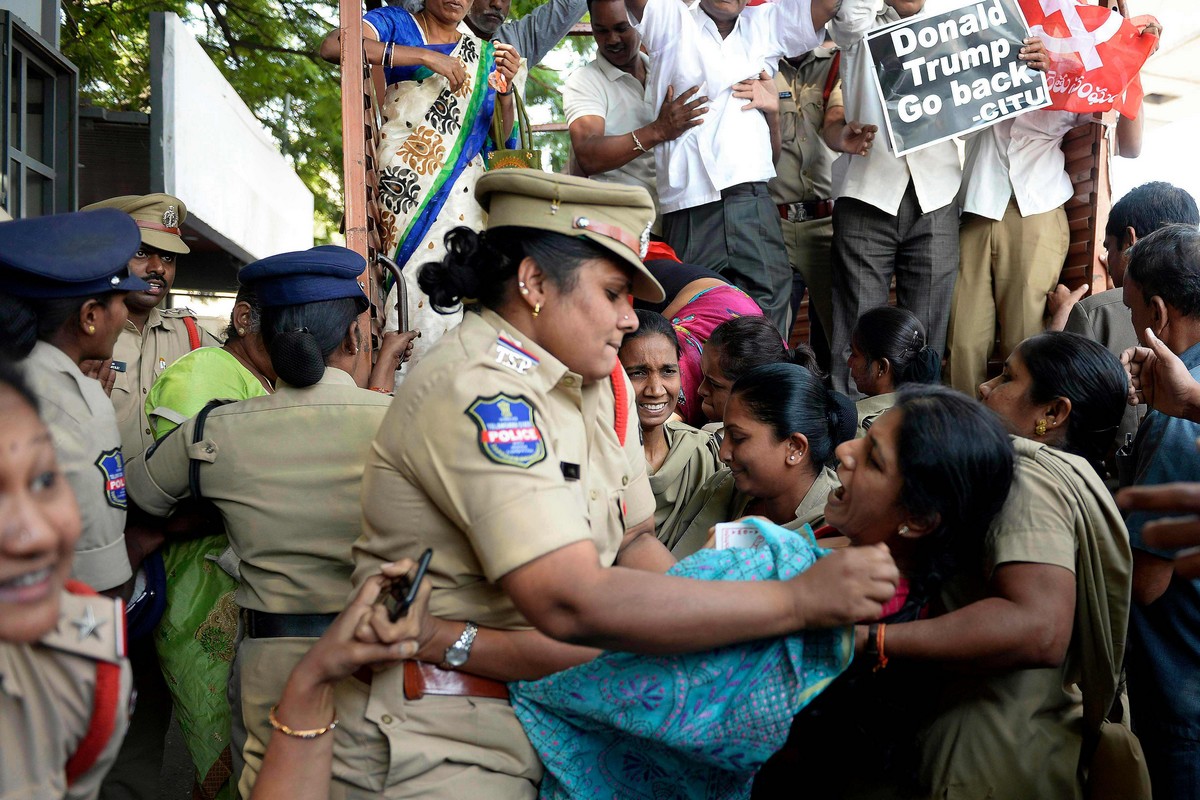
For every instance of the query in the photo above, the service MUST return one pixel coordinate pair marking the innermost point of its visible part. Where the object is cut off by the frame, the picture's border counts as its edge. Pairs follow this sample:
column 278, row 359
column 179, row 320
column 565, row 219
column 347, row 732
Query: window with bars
column 39, row 89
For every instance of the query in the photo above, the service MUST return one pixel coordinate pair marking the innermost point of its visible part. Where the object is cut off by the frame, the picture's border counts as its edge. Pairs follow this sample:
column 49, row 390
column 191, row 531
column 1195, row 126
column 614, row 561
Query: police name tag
column 508, row 433
column 508, row 354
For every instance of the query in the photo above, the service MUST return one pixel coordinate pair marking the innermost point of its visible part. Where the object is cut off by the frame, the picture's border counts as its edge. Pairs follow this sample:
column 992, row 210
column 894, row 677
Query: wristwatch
column 458, row 653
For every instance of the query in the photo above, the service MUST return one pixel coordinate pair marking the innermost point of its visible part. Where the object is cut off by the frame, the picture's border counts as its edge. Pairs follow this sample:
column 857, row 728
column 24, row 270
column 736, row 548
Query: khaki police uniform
column 493, row 454
column 718, row 500
column 803, row 186
column 88, row 446
column 145, row 354
column 870, row 409
column 285, row 472
column 64, row 701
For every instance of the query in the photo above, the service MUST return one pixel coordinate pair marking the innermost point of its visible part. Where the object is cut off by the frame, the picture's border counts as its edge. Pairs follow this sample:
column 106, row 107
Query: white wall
column 217, row 157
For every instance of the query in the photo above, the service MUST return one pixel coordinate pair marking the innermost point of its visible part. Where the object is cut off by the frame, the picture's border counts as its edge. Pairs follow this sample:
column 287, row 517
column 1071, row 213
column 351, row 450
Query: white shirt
column 598, row 89
column 880, row 178
column 731, row 146
column 1019, row 157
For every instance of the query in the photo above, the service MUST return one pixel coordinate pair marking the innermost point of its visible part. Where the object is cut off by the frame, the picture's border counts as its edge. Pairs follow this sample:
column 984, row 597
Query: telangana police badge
column 112, row 465
column 508, row 433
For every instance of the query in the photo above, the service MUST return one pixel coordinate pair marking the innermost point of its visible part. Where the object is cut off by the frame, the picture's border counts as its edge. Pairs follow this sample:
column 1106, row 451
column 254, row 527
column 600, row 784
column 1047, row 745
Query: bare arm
column 1129, row 136
column 635, row 8
column 854, row 138
column 1168, row 533
column 598, row 153
column 570, row 597
column 1027, row 622
column 401, row 56
column 642, row 550
column 1151, row 576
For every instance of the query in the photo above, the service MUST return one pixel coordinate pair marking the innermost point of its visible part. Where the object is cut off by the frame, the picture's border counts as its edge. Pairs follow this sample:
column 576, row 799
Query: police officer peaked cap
column 327, row 272
column 615, row 216
column 158, row 216
column 69, row 255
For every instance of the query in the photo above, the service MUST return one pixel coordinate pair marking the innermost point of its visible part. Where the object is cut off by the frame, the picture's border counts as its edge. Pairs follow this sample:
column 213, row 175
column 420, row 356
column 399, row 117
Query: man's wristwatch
column 458, row 653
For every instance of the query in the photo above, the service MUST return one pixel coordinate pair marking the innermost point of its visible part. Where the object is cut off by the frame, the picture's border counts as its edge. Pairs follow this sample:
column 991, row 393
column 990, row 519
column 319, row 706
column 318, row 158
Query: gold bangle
column 284, row 729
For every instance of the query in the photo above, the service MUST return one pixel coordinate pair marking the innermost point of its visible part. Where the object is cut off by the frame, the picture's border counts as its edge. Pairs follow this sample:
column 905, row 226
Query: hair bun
column 18, row 327
column 843, row 417
column 297, row 358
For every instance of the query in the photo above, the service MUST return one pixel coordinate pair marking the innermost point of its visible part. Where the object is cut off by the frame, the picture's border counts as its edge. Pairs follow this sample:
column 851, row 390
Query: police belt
column 422, row 678
column 806, row 210
column 262, row 625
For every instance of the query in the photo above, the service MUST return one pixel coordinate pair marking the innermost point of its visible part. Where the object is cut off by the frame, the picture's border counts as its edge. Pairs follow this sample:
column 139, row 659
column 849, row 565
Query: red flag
column 1095, row 54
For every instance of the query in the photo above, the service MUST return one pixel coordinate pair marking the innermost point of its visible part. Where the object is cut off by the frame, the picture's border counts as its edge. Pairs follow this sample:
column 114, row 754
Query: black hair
column 300, row 338
column 26, row 321
column 1149, row 207
column 956, row 460
column 11, row 377
column 652, row 323
column 1166, row 263
column 897, row 335
column 479, row 267
column 247, row 295
column 1068, row 365
column 791, row 399
column 743, row 343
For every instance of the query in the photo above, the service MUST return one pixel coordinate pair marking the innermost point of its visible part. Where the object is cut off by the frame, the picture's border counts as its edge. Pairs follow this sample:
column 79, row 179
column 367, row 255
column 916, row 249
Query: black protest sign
column 947, row 74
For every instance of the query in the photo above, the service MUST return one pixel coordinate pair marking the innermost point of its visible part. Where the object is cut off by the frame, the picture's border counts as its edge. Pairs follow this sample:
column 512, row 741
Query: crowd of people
column 591, row 528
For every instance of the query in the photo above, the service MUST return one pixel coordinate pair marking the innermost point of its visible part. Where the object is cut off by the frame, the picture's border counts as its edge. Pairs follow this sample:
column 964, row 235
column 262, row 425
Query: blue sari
column 699, row 725
column 441, row 131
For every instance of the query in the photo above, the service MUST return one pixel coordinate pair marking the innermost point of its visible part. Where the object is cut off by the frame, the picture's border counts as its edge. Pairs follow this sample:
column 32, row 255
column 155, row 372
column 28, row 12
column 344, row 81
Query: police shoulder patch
column 508, row 432
column 112, row 466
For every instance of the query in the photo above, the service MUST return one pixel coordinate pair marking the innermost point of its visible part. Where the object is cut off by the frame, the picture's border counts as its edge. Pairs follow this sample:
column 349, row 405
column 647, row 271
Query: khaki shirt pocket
column 789, row 118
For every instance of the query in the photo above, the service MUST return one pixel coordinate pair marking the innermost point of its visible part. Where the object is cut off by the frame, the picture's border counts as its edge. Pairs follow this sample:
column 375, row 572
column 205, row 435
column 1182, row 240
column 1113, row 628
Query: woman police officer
column 63, row 282
column 284, row 470
column 511, row 452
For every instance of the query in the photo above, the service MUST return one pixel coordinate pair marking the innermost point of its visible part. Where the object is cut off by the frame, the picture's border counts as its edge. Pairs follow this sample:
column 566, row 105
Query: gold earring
column 537, row 309
column 241, row 331
column 91, row 328
column 1039, row 428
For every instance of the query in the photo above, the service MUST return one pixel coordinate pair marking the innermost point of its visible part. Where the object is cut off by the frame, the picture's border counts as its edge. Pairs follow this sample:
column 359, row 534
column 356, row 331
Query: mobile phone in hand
column 400, row 593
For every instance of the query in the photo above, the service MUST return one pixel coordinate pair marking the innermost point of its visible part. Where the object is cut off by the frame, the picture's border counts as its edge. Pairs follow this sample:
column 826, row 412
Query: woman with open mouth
column 781, row 428
column 932, row 506
column 1026, row 654
column 679, row 458
column 62, row 660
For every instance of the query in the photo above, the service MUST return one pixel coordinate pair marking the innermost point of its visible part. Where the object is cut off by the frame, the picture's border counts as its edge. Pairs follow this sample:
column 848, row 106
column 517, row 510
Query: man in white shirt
column 712, row 180
column 893, row 215
column 610, row 114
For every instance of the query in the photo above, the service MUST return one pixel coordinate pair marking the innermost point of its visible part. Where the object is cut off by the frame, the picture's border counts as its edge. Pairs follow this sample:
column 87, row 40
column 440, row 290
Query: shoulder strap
column 105, row 703
column 621, row 400
column 197, row 437
column 193, row 332
column 832, row 78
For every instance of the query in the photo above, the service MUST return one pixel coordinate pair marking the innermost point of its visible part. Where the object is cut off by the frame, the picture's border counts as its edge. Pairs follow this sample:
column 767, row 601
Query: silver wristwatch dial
column 458, row 653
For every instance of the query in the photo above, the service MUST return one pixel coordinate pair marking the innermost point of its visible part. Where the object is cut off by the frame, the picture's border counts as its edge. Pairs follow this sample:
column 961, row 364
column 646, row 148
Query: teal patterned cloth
column 689, row 726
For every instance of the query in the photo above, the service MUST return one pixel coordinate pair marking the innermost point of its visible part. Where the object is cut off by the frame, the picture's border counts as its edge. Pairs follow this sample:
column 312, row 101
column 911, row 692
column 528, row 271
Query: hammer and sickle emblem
column 1081, row 40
